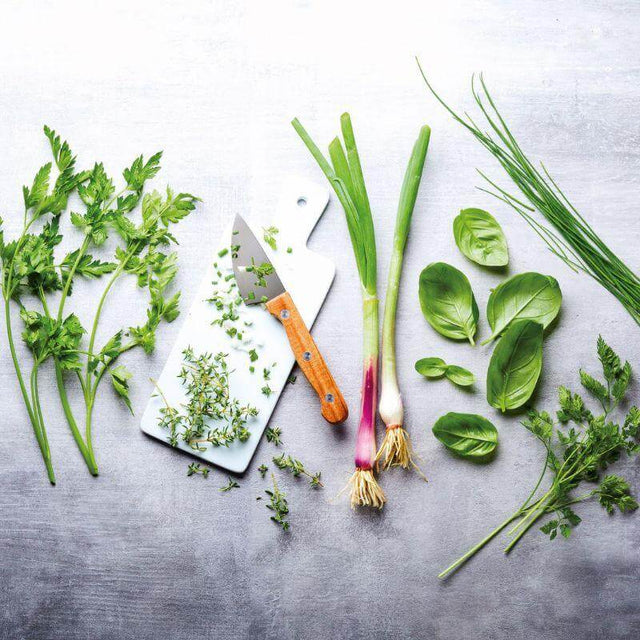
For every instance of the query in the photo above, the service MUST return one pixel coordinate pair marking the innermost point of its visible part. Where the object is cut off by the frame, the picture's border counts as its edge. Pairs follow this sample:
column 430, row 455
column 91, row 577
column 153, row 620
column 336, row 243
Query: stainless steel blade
column 247, row 253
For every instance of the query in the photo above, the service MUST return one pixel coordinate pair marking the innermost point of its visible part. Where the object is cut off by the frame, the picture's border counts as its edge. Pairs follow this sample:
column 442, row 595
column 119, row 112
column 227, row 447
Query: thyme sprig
column 296, row 468
column 205, row 380
column 278, row 504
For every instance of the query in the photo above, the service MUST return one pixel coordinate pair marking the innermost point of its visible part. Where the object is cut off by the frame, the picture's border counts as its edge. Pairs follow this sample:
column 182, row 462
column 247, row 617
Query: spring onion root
column 396, row 449
column 345, row 176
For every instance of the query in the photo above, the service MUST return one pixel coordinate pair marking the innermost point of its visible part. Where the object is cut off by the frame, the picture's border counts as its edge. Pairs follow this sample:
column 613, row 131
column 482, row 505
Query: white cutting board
column 305, row 274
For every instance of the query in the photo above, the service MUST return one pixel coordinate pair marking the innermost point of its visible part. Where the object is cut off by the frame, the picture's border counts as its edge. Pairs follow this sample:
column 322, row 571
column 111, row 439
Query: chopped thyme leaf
column 266, row 374
column 262, row 469
column 292, row 379
column 266, row 390
column 253, row 356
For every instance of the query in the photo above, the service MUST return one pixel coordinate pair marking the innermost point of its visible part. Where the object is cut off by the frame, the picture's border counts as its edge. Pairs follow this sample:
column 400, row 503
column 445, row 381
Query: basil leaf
column 459, row 375
column 447, row 301
column 515, row 366
column 431, row 367
column 468, row 435
column 529, row 296
column 480, row 237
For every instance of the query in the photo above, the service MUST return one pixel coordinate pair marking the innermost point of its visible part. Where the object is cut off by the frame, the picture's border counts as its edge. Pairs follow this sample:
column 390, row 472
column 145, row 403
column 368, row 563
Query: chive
column 223, row 252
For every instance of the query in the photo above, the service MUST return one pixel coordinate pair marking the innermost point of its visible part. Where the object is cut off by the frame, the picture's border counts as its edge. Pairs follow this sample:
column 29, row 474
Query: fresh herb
column 571, row 237
column 195, row 469
column 262, row 470
column 447, row 301
column 278, row 504
column 292, row 379
column 273, row 435
column 575, row 455
column 231, row 484
column 289, row 250
column 437, row 367
column 30, row 270
column 344, row 173
column 269, row 236
column 480, row 238
column 266, row 390
column 253, row 355
column 467, row 435
column 261, row 272
column 296, row 468
column 223, row 252
column 515, row 366
column 526, row 296
column 205, row 381
column 396, row 447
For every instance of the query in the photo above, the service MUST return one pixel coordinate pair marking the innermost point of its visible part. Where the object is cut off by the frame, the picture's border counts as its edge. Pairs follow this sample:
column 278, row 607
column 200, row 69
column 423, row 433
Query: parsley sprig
column 577, row 454
column 31, row 272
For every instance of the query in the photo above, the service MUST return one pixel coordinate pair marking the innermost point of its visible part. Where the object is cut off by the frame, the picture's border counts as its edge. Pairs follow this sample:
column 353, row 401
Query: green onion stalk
column 570, row 236
column 344, row 173
column 396, row 449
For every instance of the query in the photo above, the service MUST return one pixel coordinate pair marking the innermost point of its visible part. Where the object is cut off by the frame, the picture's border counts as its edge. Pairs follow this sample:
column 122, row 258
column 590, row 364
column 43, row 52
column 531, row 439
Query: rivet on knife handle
column 334, row 408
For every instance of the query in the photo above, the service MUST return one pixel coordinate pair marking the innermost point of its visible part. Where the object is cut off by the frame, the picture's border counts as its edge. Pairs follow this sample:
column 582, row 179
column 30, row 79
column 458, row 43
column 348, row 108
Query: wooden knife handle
column 334, row 408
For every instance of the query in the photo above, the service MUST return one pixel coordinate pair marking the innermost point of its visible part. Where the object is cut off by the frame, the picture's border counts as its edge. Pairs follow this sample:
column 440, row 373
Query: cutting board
column 305, row 274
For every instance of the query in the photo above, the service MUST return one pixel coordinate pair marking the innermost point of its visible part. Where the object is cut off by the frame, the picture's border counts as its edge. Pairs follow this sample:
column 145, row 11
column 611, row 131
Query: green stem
column 72, row 272
column 537, row 512
column 460, row 561
column 42, row 440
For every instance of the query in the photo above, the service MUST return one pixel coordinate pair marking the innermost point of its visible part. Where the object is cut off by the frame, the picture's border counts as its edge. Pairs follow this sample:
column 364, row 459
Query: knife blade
column 258, row 282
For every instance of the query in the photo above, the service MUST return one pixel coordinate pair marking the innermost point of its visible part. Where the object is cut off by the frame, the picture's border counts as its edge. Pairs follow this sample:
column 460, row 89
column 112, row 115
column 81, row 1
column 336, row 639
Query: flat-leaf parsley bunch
column 39, row 281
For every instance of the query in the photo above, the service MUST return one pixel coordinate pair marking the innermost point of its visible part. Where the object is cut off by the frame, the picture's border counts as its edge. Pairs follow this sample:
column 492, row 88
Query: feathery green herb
column 273, row 435
column 576, row 455
column 32, row 273
column 231, row 484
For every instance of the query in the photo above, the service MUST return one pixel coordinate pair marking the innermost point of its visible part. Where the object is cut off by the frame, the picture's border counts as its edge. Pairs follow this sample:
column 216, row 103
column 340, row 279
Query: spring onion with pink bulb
column 344, row 172
column 396, row 447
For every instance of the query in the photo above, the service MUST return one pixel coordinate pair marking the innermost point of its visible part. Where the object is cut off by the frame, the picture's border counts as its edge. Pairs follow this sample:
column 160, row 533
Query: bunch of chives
column 574, row 241
column 344, row 173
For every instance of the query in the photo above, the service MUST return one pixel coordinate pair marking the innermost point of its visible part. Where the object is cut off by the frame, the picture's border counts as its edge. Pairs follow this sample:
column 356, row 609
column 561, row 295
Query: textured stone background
column 145, row 552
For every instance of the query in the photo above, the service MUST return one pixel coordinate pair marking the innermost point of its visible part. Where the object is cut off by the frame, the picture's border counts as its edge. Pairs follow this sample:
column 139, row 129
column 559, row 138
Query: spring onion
column 347, row 181
column 396, row 446
column 574, row 241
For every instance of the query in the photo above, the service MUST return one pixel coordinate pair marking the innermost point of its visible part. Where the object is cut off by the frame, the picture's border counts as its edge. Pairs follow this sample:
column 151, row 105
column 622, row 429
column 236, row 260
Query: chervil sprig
column 576, row 454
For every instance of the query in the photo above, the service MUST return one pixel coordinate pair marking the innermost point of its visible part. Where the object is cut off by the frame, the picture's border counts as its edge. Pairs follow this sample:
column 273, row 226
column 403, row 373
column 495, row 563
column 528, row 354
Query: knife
column 258, row 282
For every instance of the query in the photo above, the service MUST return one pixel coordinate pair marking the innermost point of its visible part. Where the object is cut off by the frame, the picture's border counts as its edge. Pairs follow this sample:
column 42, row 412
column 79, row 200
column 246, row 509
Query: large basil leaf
column 530, row 296
column 515, row 365
column 480, row 237
column 466, row 434
column 447, row 301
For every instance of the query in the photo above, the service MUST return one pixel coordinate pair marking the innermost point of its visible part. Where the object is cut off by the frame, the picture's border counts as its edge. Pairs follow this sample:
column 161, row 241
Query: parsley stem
column 38, row 428
column 460, row 561
column 42, row 440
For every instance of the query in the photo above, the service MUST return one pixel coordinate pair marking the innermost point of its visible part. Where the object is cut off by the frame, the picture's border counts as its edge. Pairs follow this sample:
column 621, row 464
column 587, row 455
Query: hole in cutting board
column 302, row 201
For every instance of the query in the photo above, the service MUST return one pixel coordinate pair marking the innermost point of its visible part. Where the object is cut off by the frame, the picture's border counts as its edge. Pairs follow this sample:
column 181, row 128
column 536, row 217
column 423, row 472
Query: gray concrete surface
column 145, row 552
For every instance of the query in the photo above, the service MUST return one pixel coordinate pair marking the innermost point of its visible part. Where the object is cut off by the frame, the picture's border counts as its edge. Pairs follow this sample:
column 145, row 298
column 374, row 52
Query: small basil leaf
column 467, row 434
column 515, row 366
column 480, row 238
column 447, row 301
column 529, row 296
column 431, row 367
column 460, row 376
